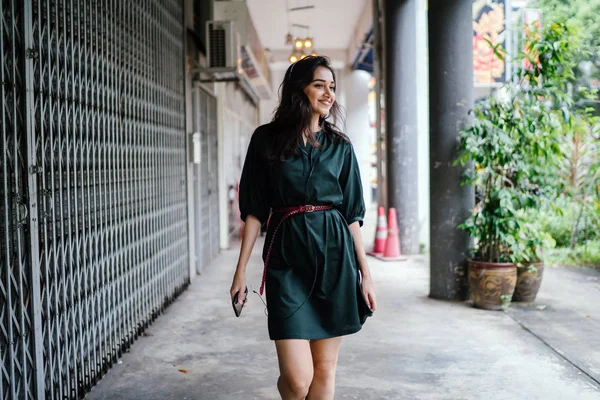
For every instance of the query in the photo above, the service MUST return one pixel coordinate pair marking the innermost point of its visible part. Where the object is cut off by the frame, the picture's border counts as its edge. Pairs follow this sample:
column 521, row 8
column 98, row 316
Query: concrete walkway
column 566, row 317
column 414, row 347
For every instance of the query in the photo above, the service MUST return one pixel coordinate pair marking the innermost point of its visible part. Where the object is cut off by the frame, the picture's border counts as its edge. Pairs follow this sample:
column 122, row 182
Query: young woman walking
column 301, row 174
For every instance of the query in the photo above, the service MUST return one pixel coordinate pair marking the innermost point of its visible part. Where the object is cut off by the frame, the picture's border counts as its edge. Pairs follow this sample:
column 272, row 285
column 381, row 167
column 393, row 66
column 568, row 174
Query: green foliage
column 580, row 13
column 535, row 156
column 583, row 14
column 505, row 299
column 578, row 167
column 586, row 254
column 551, row 57
column 507, row 143
column 534, row 238
column 557, row 219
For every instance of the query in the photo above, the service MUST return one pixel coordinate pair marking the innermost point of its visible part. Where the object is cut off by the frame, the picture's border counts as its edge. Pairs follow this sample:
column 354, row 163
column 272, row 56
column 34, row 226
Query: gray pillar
column 451, row 98
column 400, row 70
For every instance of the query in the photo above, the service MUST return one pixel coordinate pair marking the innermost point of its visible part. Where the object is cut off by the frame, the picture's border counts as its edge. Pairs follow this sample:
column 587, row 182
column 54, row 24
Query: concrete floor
column 413, row 348
column 566, row 317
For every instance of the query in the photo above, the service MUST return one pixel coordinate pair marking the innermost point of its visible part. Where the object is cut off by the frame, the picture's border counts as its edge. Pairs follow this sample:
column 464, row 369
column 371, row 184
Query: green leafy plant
column 534, row 238
column 583, row 14
column 507, row 142
column 579, row 167
column 489, row 143
column 556, row 218
column 585, row 254
column 505, row 298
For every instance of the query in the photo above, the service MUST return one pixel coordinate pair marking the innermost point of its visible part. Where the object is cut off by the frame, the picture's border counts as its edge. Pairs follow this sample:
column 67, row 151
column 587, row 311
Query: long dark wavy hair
column 293, row 116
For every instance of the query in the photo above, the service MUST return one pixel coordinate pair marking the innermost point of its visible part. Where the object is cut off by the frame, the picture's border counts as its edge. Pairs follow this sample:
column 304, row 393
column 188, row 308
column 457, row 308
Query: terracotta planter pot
column 528, row 283
column 492, row 284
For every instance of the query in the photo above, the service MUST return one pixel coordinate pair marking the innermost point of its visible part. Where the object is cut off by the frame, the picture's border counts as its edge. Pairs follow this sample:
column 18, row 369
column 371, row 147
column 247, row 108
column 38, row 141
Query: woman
column 303, row 170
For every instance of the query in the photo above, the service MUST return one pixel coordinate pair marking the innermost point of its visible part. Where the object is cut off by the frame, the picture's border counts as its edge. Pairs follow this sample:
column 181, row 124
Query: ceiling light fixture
column 303, row 45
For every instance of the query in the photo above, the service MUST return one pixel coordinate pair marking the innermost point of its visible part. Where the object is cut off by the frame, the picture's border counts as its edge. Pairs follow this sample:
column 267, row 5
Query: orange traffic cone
column 380, row 235
column 392, row 244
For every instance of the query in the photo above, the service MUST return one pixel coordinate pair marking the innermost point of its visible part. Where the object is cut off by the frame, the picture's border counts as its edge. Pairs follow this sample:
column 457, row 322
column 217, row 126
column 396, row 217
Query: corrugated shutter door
column 213, row 196
column 206, row 194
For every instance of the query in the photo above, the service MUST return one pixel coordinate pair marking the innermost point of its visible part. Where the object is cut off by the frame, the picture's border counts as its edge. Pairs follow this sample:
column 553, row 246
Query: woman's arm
column 251, row 232
column 368, row 288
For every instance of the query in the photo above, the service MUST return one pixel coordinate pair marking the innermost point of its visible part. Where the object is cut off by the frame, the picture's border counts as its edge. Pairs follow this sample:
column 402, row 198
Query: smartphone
column 237, row 308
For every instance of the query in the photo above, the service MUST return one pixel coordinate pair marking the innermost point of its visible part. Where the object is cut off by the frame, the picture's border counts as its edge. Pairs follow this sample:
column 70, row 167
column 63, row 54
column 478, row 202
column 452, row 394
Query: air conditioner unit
column 234, row 51
column 222, row 56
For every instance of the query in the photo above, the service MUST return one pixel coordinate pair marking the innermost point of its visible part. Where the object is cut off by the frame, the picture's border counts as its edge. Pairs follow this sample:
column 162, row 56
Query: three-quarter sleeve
column 353, row 204
column 253, row 196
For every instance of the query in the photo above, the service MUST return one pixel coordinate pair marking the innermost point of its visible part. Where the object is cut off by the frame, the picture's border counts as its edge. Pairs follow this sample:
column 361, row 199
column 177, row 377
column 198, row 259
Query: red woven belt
column 287, row 212
column 301, row 209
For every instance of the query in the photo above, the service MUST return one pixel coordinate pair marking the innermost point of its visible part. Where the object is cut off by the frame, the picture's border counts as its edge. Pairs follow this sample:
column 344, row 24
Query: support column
column 400, row 70
column 451, row 98
column 356, row 85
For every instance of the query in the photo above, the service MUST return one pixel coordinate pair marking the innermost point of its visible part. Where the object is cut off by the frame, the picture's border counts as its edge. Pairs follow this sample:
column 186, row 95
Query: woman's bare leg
column 295, row 368
column 324, row 357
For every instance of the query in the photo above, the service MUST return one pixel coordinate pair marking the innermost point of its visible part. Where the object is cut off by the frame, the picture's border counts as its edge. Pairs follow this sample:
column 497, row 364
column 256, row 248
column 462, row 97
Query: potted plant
column 530, row 269
column 489, row 144
column 546, row 108
column 507, row 145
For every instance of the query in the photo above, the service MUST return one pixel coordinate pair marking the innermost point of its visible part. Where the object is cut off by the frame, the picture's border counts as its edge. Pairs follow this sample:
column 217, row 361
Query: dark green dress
column 312, row 285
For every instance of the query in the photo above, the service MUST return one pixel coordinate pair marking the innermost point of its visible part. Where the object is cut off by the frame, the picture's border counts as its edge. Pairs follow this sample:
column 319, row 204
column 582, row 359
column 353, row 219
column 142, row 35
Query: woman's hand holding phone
column 239, row 293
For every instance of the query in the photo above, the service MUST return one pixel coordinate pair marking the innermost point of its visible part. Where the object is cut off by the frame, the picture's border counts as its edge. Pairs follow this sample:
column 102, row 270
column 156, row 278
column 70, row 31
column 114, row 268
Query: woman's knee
column 298, row 384
column 325, row 370
column 295, row 367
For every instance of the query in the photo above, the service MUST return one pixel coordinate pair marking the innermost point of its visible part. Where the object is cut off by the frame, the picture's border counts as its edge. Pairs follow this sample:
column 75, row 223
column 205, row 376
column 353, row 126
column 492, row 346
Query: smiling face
column 321, row 91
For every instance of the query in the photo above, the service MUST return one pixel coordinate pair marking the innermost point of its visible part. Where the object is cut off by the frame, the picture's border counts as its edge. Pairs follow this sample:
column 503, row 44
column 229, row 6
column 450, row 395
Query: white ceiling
column 331, row 22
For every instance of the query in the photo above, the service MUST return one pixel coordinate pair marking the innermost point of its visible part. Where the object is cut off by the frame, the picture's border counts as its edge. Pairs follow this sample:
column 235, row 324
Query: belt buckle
column 309, row 208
